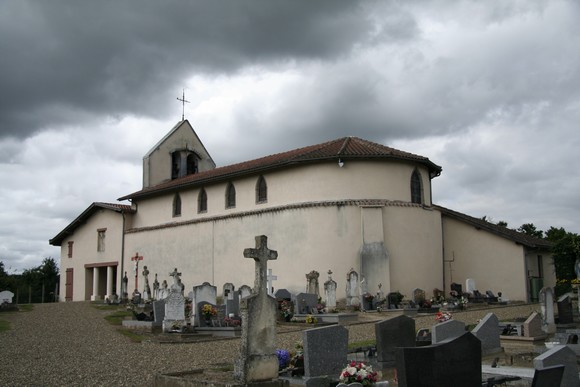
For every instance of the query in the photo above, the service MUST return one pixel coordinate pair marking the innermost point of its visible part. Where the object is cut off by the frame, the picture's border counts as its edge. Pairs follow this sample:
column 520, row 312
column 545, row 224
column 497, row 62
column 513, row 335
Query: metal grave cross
column 261, row 254
column 137, row 258
column 271, row 277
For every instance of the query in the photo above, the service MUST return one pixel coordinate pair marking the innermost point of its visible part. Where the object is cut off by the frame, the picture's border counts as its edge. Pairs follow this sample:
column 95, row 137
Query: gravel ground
column 71, row 344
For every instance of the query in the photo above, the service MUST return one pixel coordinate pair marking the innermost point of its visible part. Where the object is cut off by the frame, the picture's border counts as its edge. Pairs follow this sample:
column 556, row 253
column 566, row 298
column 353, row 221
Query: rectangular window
column 101, row 239
column 70, row 249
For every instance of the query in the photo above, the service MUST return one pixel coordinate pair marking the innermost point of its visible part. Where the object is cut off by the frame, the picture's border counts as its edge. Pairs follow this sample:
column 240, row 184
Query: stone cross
column 271, row 277
column 261, row 254
column 176, row 279
column 136, row 259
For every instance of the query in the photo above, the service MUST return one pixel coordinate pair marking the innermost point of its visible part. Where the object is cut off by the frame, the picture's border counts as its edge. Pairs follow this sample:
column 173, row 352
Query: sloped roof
column 82, row 218
column 346, row 148
column 504, row 232
column 174, row 129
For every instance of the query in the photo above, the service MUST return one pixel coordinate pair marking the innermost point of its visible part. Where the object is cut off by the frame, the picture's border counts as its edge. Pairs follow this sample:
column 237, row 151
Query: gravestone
column 227, row 290
column 204, row 293
column 390, row 334
column 174, row 305
column 6, row 296
column 146, row 287
column 532, row 327
column 330, row 291
column 312, row 283
column 487, row 331
column 352, row 289
column 548, row 376
column 245, row 291
column 305, row 303
column 470, row 285
column 163, row 291
column 456, row 289
column 258, row 360
column 451, row 363
column 325, row 351
column 418, row 296
column 158, row 311
column 560, row 355
column 283, row 294
column 233, row 304
column 447, row 330
column 565, row 314
column 547, row 306
column 155, row 288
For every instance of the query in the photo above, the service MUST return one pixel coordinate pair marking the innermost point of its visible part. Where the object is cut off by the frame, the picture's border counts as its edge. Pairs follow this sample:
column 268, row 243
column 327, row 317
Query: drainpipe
column 443, row 251
column 121, row 275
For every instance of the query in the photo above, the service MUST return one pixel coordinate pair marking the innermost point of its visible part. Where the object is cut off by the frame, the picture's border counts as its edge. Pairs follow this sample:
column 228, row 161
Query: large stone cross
column 261, row 254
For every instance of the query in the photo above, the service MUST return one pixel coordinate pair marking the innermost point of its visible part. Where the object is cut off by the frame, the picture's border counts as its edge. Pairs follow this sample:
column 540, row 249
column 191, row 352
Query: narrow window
column 101, row 239
column 70, row 249
column 191, row 164
column 202, row 201
column 177, row 205
column 261, row 190
column 230, row 196
column 540, row 266
column 416, row 188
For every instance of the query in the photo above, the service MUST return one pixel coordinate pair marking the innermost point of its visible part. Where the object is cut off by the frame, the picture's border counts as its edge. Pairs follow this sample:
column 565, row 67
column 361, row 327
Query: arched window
column 177, row 205
column 230, row 196
column 202, row 201
column 416, row 188
column 261, row 190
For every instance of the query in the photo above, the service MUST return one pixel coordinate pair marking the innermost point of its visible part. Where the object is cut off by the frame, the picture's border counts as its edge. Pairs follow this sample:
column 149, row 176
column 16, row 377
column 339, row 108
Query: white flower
column 351, row 370
column 363, row 373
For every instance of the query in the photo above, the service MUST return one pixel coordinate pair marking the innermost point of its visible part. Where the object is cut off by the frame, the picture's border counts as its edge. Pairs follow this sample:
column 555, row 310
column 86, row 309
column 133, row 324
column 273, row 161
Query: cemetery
column 451, row 338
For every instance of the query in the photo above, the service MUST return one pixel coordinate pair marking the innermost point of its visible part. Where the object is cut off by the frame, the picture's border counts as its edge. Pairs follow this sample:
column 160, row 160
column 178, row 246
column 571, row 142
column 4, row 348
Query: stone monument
column 258, row 360
column 312, row 283
column 330, row 291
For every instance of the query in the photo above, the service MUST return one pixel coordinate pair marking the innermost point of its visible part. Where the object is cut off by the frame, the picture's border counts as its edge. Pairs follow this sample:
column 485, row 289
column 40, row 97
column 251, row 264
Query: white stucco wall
column 309, row 183
column 85, row 252
column 495, row 263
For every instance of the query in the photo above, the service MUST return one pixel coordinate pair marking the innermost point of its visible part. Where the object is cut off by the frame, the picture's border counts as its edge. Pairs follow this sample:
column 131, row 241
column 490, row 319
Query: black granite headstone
column 565, row 314
column 390, row 334
column 451, row 363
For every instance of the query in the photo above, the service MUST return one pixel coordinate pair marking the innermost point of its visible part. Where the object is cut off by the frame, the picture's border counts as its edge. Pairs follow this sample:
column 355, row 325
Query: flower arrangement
column 283, row 358
column 359, row 373
column 443, row 316
column 208, row 311
column 310, row 319
column 286, row 309
column 230, row 322
column 368, row 297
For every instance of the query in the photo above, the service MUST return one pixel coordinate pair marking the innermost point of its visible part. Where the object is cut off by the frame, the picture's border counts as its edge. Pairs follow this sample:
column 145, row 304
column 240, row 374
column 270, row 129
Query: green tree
column 42, row 280
column 566, row 251
column 555, row 234
column 530, row 229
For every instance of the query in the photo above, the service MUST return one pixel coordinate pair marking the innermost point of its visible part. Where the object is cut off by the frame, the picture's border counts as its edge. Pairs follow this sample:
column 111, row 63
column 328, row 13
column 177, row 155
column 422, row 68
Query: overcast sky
column 488, row 90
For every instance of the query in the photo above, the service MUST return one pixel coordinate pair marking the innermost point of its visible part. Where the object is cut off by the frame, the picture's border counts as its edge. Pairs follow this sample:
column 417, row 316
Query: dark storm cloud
column 62, row 61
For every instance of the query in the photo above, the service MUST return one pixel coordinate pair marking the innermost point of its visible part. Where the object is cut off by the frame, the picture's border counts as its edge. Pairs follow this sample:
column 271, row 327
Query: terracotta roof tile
column 345, row 148
column 505, row 232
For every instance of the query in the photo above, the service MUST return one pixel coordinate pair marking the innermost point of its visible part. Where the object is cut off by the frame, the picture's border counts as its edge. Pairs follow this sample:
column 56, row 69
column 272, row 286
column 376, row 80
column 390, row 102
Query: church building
column 344, row 204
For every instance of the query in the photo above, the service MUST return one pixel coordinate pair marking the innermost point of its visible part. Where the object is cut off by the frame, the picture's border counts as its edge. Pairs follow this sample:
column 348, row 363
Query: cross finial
column 261, row 254
column 183, row 101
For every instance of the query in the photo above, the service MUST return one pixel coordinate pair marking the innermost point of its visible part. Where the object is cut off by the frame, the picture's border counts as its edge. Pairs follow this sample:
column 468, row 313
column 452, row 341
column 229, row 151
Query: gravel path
column 71, row 344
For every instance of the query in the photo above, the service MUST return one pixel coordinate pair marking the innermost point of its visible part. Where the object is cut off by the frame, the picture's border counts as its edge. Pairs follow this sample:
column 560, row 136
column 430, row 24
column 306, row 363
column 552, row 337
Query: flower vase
column 208, row 321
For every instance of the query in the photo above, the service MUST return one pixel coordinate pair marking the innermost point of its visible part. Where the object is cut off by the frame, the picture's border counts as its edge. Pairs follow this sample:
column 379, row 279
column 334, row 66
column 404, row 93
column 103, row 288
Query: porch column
column 95, row 295
column 109, row 282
